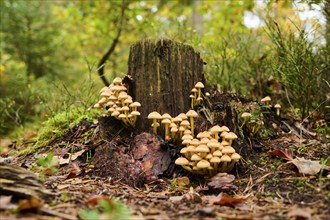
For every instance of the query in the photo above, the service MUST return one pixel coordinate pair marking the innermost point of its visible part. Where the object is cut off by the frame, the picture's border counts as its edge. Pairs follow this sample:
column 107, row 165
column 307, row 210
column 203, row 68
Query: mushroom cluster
column 117, row 103
column 175, row 127
column 196, row 96
column 210, row 152
column 266, row 103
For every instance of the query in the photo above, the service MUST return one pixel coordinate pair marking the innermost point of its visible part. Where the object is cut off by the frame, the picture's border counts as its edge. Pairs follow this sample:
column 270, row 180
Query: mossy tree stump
column 163, row 73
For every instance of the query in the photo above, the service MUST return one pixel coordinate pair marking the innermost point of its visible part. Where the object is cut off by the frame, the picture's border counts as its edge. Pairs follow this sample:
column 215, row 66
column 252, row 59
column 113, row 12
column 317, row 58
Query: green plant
column 301, row 65
column 55, row 126
column 46, row 165
column 108, row 209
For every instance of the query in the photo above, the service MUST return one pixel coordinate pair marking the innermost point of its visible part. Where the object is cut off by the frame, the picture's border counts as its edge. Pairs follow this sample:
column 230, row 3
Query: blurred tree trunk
column 163, row 74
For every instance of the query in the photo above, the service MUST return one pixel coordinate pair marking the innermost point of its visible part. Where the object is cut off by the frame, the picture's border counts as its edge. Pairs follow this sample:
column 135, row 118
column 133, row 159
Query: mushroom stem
column 154, row 126
column 192, row 126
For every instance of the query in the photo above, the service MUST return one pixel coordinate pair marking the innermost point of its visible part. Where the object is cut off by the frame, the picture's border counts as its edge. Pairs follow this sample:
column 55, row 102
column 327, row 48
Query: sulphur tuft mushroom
column 278, row 108
column 199, row 86
column 154, row 116
column 246, row 117
column 266, row 101
column 191, row 114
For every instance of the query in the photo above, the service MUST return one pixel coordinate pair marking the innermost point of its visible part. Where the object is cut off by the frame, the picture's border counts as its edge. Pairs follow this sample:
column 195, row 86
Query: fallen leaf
column 182, row 181
column 306, row 167
column 222, row 181
column 225, row 200
column 283, row 154
column 77, row 154
column 190, row 197
column 299, row 213
column 74, row 171
column 33, row 203
column 93, row 200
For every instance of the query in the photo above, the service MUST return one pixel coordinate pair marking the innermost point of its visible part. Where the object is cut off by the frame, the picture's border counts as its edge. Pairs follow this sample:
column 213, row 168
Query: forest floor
column 271, row 183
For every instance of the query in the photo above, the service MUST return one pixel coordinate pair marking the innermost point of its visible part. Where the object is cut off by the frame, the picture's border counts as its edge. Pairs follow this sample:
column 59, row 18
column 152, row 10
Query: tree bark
column 163, row 73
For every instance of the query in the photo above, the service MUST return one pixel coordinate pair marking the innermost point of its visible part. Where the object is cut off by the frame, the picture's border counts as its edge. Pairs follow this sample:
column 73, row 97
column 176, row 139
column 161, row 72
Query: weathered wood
column 163, row 74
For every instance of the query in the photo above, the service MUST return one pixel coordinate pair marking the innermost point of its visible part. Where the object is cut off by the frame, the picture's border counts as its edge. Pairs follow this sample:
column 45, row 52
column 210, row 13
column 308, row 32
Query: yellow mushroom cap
column 230, row 136
column 166, row 121
column 135, row 113
column 195, row 157
column 192, row 113
column 217, row 153
column 191, row 148
column 202, row 149
column 204, row 141
column 174, row 129
column 213, row 144
column 225, row 158
column 181, row 161
column 177, row 119
column 135, row 104
column 166, row 115
column 117, row 80
column 277, row 106
column 121, row 116
column 235, row 156
column 215, row 129
column 228, row 150
column 194, row 90
column 183, row 150
column 199, row 85
column 266, row 99
column 187, row 132
column 209, row 156
column 215, row 160
column 185, row 123
column 203, row 164
column 183, row 116
column 125, row 108
column 246, row 115
column 115, row 113
column 154, row 115
column 194, row 142
column 187, row 136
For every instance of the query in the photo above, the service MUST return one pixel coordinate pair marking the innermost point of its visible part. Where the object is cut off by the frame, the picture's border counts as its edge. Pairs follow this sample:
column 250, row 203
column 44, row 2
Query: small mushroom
column 234, row 158
column 167, row 123
column 154, row 116
column 278, row 108
column 225, row 159
column 191, row 114
column 246, row 116
column 203, row 165
column 230, row 137
column 215, row 130
column 184, row 163
column 266, row 101
column 199, row 86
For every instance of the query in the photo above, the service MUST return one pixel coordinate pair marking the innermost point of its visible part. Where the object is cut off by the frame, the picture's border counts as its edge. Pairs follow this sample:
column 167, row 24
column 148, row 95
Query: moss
column 56, row 126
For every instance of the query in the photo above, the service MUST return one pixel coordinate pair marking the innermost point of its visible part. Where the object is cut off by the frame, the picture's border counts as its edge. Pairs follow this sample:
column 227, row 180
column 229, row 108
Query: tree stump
column 163, row 73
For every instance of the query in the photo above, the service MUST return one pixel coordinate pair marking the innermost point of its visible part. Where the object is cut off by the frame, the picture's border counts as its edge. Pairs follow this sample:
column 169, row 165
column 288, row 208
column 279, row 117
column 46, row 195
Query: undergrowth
column 57, row 125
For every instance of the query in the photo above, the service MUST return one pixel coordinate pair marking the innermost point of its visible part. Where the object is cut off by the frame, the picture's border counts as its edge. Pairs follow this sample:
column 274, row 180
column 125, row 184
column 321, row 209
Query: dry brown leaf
column 306, row 167
column 33, row 203
column 299, row 213
column 225, row 200
column 182, row 181
column 223, row 181
column 283, row 154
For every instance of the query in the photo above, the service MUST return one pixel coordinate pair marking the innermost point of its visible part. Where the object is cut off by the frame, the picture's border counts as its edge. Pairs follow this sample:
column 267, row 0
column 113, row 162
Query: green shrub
column 301, row 65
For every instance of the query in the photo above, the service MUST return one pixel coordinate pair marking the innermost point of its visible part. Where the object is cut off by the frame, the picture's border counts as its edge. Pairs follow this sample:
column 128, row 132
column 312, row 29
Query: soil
column 261, row 186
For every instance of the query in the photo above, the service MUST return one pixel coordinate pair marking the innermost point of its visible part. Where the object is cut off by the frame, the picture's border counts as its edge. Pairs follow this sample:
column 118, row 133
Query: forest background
column 50, row 51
